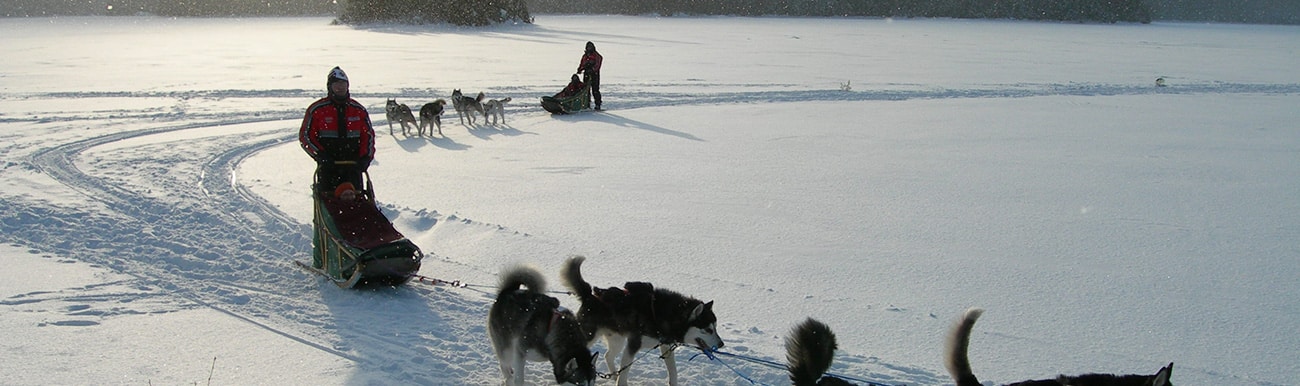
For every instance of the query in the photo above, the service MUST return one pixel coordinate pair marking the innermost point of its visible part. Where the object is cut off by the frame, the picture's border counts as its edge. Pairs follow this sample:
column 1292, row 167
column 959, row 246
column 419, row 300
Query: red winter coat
column 590, row 62
column 321, row 138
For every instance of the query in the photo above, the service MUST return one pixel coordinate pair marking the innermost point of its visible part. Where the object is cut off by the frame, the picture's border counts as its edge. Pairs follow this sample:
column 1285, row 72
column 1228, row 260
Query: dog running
column 640, row 315
column 526, row 324
column 958, row 364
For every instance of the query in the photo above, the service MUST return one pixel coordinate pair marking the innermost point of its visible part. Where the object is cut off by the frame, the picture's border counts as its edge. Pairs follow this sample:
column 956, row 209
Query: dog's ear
column 1162, row 376
column 570, row 368
column 700, row 310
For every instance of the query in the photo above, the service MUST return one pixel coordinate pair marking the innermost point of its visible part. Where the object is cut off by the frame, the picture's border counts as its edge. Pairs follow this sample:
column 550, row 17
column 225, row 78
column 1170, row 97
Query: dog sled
column 568, row 105
column 354, row 245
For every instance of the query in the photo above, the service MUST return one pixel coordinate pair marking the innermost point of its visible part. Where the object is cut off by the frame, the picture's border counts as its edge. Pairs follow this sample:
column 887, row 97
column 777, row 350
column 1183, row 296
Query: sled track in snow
column 163, row 245
column 644, row 95
column 215, row 244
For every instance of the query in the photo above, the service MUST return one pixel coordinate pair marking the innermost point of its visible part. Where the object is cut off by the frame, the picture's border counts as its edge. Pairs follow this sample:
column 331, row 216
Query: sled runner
column 354, row 245
column 570, row 104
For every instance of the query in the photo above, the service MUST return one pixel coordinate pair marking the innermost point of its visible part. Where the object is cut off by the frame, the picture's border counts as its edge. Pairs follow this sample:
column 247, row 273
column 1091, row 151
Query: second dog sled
column 570, row 104
column 354, row 245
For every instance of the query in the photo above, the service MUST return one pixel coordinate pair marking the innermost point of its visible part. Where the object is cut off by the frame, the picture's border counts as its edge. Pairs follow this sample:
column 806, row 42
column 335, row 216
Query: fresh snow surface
column 155, row 195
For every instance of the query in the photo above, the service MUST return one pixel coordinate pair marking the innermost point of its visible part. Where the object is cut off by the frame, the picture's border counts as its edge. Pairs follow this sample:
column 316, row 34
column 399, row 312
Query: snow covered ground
column 154, row 194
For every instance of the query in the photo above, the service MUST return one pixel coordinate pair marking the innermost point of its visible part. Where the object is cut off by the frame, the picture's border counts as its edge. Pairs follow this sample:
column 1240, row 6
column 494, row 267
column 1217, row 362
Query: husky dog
column 638, row 316
column 959, row 365
column 495, row 108
column 465, row 105
column 431, row 116
column 401, row 113
column 809, row 350
column 526, row 324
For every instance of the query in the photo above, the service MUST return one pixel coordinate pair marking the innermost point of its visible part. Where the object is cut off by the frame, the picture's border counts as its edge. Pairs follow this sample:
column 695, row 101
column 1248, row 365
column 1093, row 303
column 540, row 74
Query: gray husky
column 809, row 350
column 466, row 106
column 495, row 110
column 959, row 365
column 431, row 116
column 526, row 324
column 638, row 316
column 399, row 112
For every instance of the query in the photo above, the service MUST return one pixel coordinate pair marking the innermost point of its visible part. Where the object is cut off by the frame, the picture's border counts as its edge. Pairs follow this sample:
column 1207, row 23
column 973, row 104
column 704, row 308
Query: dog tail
column 809, row 350
column 572, row 276
column 520, row 275
column 956, row 361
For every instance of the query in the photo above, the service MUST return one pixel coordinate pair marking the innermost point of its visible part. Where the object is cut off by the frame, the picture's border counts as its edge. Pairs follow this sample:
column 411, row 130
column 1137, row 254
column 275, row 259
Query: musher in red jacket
column 336, row 132
column 589, row 67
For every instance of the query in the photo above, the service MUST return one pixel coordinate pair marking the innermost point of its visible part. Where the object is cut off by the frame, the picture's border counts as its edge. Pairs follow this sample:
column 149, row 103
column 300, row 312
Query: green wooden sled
column 354, row 244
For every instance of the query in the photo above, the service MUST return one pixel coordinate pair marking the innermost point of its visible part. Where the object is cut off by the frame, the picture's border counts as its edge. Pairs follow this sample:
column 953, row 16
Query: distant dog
column 526, row 324
column 809, row 350
column 431, row 116
column 401, row 113
column 465, row 106
column 495, row 110
column 959, row 365
column 640, row 315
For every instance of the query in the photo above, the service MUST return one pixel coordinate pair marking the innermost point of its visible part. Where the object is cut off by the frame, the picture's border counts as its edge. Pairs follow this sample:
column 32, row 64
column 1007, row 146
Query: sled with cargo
column 354, row 244
column 579, row 101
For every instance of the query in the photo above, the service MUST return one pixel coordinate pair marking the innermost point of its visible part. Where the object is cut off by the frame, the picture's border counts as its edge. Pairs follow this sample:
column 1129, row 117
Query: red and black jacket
column 325, row 139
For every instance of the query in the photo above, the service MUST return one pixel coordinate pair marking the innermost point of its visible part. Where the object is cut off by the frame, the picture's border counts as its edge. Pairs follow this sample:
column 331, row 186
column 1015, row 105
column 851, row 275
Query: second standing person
column 589, row 67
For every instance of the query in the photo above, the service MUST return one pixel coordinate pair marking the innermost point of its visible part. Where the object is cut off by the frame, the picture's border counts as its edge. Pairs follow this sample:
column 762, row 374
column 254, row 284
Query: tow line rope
column 713, row 355
column 433, row 281
column 638, row 358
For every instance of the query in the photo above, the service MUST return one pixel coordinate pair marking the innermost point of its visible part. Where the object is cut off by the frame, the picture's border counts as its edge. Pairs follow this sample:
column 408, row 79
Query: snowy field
column 154, row 195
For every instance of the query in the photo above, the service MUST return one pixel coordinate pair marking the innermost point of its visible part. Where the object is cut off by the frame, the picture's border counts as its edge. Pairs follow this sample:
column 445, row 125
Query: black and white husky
column 431, row 116
column 640, row 316
column 495, row 110
column 466, row 106
column 809, row 351
column 401, row 113
column 959, row 365
column 526, row 324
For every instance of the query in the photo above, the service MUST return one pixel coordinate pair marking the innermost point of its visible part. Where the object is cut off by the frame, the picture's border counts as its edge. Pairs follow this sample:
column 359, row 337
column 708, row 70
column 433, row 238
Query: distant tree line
column 481, row 12
column 1064, row 10
column 459, row 12
column 187, row 8
column 1229, row 11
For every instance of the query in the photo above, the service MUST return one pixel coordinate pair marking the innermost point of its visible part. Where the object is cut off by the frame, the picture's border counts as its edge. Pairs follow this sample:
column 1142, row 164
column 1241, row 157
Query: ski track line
column 154, row 243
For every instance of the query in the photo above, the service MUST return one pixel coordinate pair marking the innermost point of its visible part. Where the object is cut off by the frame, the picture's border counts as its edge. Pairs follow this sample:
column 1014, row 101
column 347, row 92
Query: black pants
column 593, row 79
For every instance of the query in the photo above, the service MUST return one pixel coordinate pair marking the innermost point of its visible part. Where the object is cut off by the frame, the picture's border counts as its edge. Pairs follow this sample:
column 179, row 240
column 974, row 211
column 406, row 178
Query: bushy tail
column 516, row 276
column 809, row 350
column 956, row 361
column 571, row 274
